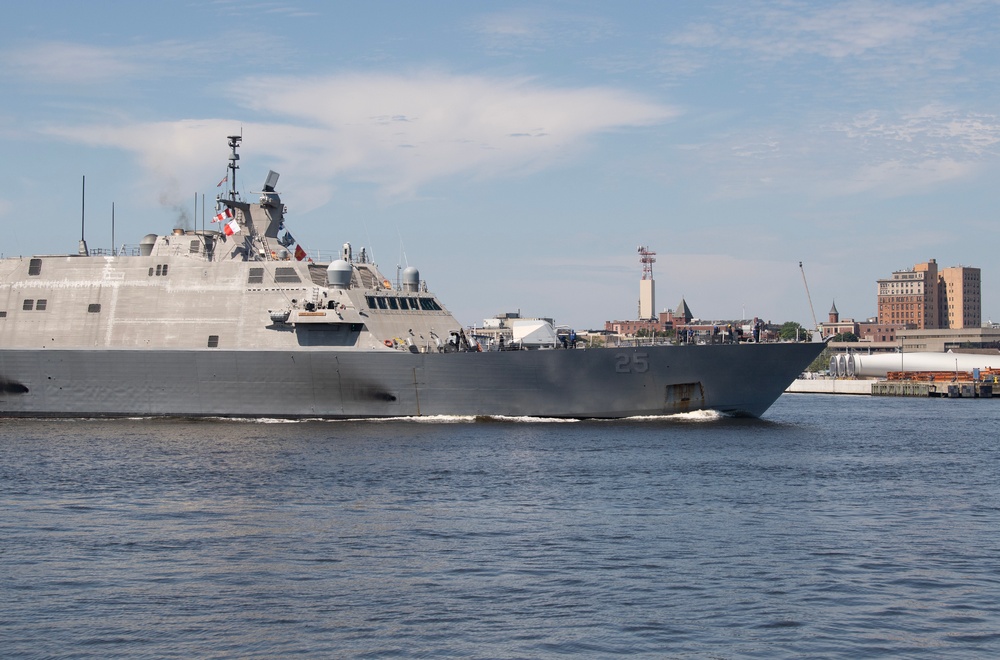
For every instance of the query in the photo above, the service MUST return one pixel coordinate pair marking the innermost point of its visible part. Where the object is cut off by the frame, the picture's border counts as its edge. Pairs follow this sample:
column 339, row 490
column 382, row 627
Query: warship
column 234, row 322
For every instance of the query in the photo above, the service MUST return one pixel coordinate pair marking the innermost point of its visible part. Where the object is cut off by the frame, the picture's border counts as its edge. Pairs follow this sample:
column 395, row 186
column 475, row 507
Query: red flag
column 300, row 254
column 227, row 213
column 232, row 227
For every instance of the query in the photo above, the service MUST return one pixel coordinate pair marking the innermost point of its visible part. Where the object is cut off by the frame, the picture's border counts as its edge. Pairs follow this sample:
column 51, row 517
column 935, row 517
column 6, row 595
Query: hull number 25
column 627, row 363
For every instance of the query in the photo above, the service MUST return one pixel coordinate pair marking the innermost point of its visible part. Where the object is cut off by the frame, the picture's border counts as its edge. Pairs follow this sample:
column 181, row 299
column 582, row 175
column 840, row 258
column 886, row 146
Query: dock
column 910, row 388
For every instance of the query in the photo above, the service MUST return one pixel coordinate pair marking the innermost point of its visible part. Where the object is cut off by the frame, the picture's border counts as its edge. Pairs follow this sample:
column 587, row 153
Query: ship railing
column 123, row 251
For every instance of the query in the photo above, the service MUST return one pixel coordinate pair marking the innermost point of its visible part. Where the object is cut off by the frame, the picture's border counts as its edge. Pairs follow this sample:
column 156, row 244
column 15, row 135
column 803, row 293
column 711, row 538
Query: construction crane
column 809, row 298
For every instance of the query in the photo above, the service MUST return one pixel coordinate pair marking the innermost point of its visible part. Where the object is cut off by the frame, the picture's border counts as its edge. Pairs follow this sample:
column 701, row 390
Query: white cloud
column 537, row 29
column 75, row 64
column 399, row 133
column 838, row 30
column 70, row 63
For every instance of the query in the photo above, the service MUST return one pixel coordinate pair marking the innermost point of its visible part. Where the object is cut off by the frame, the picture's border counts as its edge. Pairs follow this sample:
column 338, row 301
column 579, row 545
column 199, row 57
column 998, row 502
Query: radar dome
column 338, row 274
column 411, row 279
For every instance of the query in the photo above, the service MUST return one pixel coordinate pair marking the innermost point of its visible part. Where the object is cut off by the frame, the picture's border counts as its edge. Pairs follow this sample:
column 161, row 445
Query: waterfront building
column 926, row 298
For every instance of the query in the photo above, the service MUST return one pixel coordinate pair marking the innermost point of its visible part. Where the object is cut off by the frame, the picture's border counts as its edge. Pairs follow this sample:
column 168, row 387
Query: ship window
column 381, row 303
column 41, row 305
column 35, row 267
column 3, row 314
column 94, row 308
column 159, row 270
column 164, row 269
column 256, row 276
column 371, row 301
column 29, row 303
column 393, row 303
column 404, row 303
column 213, row 341
column 195, row 246
column 429, row 304
column 286, row 275
column 150, row 271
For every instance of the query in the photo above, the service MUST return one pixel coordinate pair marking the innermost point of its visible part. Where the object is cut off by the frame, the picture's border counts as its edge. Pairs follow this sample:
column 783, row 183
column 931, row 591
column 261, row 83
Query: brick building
column 928, row 299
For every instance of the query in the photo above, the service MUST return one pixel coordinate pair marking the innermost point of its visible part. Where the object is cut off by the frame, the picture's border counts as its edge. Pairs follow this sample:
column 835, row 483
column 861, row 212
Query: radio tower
column 647, row 259
column 647, row 293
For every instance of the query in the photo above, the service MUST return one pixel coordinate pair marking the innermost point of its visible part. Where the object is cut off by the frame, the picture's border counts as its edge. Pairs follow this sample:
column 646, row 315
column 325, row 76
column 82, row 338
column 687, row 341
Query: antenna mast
column 234, row 143
column 647, row 258
column 82, row 250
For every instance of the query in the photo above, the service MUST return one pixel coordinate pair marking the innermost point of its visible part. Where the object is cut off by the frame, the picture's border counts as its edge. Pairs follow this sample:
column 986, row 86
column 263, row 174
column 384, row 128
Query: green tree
column 790, row 331
column 846, row 336
column 822, row 361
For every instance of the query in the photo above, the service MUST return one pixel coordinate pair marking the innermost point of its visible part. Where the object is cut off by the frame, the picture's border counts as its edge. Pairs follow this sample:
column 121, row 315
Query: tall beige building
column 926, row 298
column 960, row 298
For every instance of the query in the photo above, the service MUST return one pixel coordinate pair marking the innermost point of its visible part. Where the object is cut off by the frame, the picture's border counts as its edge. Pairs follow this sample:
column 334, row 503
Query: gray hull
column 595, row 383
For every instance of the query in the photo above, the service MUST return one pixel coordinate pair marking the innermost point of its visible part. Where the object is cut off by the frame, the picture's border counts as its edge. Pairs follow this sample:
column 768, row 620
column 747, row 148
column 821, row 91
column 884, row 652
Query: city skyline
column 517, row 153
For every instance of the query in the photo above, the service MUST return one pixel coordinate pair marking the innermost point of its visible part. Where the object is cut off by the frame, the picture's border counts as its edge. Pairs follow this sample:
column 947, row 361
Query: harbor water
column 836, row 527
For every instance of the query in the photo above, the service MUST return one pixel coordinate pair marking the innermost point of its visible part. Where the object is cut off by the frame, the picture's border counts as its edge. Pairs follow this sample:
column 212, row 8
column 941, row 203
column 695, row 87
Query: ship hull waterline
column 741, row 380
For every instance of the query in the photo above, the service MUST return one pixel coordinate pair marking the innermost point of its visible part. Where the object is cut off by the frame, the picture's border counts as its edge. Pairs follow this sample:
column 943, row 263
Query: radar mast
column 234, row 143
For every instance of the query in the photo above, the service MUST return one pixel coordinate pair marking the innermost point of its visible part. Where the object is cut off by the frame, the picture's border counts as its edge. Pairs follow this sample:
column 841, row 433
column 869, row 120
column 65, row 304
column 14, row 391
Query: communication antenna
column 647, row 258
column 234, row 143
column 83, row 218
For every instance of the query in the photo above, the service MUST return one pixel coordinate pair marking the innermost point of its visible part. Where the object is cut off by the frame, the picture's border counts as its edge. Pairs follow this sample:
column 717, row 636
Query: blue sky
column 518, row 153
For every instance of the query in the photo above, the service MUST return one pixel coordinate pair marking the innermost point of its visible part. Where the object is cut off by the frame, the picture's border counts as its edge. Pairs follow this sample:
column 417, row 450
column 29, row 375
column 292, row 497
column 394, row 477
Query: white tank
column 882, row 363
column 338, row 274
